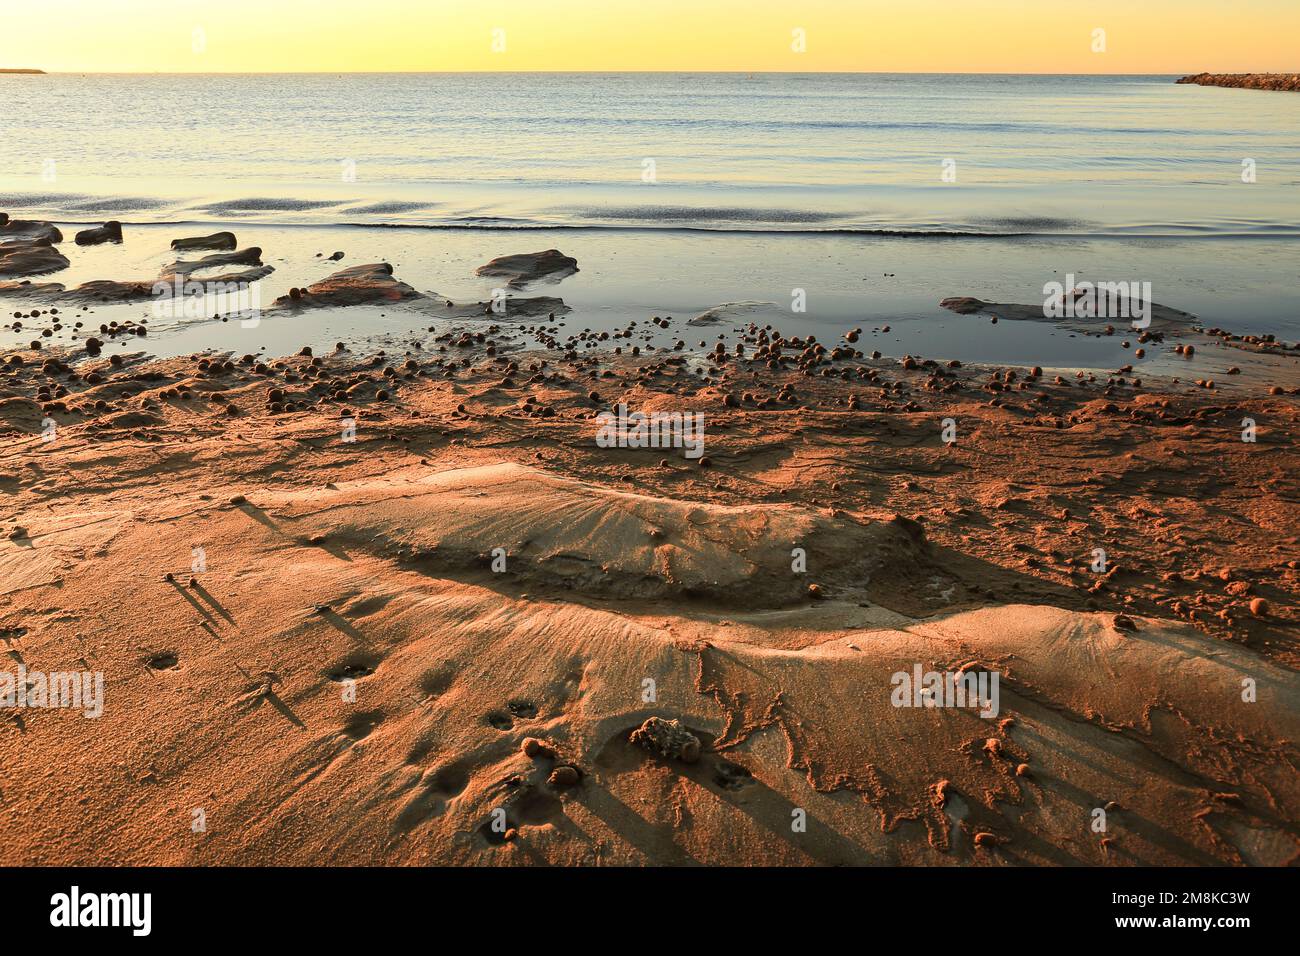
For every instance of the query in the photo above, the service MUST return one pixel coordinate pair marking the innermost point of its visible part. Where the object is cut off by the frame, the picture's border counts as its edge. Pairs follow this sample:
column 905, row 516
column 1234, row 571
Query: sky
column 948, row 36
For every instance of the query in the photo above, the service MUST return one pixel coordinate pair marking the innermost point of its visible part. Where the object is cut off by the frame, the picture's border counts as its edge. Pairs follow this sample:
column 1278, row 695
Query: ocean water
column 767, row 190
column 1039, row 155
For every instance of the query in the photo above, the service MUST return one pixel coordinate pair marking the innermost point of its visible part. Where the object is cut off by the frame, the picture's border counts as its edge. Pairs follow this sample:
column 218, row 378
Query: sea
column 874, row 194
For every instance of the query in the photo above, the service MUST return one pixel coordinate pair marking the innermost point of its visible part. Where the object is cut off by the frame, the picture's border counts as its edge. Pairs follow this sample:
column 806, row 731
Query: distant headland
column 42, row 72
column 1289, row 82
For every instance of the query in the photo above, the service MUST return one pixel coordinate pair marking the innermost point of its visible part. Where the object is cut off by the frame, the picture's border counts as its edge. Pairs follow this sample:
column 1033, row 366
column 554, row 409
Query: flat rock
column 108, row 290
column 28, row 289
column 512, row 307
column 26, row 229
column 32, row 258
column 730, row 311
column 1162, row 316
column 355, row 285
column 525, row 267
column 183, row 268
column 218, row 240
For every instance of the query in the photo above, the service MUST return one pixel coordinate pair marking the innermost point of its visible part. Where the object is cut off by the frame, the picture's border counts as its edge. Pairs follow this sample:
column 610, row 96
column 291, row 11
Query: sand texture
column 463, row 637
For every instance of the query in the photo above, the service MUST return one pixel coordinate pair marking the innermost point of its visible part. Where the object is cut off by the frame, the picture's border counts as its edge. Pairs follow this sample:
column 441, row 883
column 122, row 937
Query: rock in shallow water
column 218, row 240
column 34, row 258
column 355, row 285
column 12, row 230
column 110, row 231
column 525, row 267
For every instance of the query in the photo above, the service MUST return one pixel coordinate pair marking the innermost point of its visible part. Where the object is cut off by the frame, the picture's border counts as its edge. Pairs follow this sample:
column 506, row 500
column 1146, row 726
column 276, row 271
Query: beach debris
column 667, row 738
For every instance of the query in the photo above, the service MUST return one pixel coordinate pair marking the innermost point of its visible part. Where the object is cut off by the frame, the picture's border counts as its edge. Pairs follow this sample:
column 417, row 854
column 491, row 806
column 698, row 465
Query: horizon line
column 36, row 71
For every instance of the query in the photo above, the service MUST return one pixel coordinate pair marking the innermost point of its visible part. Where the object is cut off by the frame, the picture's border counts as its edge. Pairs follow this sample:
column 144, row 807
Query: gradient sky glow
column 981, row 36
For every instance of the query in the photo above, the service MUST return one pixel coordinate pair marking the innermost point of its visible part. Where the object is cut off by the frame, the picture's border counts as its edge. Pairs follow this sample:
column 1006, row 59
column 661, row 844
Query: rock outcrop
column 182, row 270
column 88, row 293
column 218, row 240
column 1111, row 313
column 27, row 247
column 17, row 229
column 1287, row 82
column 527, row 267
column 34, row 258
column 110, row 231
column 355, row 285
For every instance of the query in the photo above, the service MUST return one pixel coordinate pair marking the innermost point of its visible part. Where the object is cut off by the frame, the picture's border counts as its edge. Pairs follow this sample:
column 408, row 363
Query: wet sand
column 847, row 282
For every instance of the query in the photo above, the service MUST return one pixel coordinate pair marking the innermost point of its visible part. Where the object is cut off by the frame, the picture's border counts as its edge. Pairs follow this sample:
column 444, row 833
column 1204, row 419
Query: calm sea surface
column 680, row 193
column 1050, row 155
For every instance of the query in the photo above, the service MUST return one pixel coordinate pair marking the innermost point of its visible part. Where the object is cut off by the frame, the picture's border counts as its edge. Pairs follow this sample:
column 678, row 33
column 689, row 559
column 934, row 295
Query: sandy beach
column 358, row 603
column 794, row 460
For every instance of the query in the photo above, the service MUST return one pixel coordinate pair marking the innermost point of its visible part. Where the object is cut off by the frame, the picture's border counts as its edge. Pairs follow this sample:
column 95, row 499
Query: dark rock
column 355, row 285
column 30, row 258
column 110, row 231
column 218, row 240
column 522, row 268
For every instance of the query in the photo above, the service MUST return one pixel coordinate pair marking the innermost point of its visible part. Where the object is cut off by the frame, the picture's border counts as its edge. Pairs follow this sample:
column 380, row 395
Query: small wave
column 703, row 214
column 491, row 222
column 43, row 201
column 270, row 205
column 776, row 229
column 531, row 225
column 388, row 208
column 739, row 220
column 1034, row 223
column 119, row 205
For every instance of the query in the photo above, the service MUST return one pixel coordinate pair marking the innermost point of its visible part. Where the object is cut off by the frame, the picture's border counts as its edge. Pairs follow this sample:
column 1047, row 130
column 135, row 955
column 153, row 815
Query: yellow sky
column 1030, row 36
